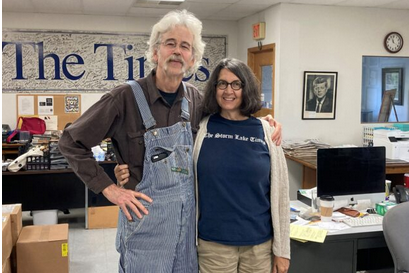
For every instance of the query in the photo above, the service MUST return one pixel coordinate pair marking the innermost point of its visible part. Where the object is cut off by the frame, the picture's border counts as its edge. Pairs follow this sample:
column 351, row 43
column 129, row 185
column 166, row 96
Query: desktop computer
column 352, row 174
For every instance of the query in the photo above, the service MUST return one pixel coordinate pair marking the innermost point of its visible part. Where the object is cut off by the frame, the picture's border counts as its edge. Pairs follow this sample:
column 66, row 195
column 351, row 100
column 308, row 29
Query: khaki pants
column 219, row 258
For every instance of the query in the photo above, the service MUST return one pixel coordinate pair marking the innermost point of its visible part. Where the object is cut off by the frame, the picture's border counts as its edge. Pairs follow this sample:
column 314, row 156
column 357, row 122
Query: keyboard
column 369, row 220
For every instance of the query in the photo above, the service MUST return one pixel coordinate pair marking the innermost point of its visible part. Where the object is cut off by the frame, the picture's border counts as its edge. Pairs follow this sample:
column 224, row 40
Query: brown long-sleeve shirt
column 116, row 116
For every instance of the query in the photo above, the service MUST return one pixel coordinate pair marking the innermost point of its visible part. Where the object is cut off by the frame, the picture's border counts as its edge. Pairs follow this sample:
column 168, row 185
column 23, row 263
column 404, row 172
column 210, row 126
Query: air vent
column 156, row 4
column 172, row 3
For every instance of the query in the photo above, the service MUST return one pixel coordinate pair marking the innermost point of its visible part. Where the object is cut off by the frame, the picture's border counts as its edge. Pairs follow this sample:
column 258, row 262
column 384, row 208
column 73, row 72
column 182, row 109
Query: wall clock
column 393, row 42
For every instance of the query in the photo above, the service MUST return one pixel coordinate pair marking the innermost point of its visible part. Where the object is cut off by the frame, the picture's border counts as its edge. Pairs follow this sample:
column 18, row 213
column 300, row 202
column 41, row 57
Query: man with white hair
column 152, row 123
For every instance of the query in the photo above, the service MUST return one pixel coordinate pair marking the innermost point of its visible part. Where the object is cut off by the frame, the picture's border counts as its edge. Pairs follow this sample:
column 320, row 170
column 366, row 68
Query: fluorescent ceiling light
column 157, row 3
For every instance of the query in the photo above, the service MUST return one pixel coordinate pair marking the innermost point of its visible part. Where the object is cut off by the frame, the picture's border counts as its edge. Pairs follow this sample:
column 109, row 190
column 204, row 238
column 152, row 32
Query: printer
column 396, row 143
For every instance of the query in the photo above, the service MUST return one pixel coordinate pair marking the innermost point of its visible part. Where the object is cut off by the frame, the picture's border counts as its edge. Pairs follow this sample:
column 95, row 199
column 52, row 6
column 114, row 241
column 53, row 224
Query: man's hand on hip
column 127, row 199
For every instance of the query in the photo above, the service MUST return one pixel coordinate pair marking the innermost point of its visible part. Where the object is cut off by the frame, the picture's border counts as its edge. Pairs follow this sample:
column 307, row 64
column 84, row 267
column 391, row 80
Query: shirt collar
column 322, row 100
column 154, row 94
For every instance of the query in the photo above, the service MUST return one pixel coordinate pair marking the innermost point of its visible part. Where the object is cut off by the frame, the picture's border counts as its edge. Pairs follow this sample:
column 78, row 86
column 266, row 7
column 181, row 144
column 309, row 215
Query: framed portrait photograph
column 319, row 96
column 392, row 79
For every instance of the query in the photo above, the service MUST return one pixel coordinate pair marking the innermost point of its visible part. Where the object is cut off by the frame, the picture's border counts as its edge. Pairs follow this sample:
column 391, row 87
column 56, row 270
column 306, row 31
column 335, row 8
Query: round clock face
column 393, row 42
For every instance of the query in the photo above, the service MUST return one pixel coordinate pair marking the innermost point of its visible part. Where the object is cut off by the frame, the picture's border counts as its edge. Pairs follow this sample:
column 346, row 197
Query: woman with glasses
column 241, row 179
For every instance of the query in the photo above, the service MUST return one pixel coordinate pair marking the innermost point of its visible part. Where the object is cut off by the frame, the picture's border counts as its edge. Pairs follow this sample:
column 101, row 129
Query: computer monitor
column 352, row 174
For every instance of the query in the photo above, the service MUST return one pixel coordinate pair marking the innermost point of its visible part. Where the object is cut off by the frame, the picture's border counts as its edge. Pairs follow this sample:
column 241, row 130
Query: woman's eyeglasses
column 235, row 85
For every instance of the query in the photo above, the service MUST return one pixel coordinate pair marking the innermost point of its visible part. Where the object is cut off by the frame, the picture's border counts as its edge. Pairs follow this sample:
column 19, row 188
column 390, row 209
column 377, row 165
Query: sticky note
column 64, row 249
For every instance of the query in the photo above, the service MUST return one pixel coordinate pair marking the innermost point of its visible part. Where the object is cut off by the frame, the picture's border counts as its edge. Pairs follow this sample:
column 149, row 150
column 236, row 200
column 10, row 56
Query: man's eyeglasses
column 235, row 85
column 172, row 44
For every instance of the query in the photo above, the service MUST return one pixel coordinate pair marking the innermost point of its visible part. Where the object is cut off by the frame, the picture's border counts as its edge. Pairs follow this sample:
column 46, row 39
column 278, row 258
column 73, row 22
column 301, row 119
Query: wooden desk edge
column 391, row 168
column 302, row 161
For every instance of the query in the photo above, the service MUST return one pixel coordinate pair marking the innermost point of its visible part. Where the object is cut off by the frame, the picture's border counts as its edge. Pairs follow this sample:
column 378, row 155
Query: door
column 262, row 62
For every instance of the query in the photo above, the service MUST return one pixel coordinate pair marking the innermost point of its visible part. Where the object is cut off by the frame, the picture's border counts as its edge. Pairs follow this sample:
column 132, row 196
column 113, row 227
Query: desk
column 394, row 172
column 350, row 250
column 51, row 189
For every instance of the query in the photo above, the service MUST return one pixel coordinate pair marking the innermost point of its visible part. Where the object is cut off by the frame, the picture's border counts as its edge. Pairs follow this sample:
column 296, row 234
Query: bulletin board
column 66, row 108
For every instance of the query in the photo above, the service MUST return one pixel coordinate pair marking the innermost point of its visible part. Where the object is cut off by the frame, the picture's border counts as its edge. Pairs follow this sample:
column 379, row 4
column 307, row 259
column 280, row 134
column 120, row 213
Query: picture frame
column 319, row 95
column 392, row 78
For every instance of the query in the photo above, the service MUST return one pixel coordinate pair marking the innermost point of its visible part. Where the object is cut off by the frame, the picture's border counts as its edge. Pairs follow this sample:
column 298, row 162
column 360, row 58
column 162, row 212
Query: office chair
column 395, row 229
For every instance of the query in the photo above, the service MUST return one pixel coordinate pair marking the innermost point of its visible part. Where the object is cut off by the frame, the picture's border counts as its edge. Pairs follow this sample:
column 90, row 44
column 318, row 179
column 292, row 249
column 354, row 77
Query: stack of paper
column 40, row 139
column 303, row 148
column 58, row 161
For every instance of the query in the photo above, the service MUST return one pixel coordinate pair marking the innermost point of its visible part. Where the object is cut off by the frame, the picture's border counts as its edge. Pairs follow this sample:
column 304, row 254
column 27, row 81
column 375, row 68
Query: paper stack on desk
column 58, row 161
column 303, row 148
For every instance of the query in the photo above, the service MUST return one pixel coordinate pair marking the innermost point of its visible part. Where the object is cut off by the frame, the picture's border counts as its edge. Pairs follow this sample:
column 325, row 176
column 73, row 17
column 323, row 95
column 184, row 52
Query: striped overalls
column 164, row 240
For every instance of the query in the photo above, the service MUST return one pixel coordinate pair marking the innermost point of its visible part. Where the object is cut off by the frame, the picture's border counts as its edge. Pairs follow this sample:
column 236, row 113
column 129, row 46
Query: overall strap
column 185, row 105
column 147, row 118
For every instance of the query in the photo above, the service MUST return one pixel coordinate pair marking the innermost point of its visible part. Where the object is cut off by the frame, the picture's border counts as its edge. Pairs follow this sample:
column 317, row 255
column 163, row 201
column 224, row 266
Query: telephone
column 401, row 194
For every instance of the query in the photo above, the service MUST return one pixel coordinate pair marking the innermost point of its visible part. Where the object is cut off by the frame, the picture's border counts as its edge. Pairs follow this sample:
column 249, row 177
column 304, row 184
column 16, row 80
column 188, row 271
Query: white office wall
column 322, row 38
column 112, row 24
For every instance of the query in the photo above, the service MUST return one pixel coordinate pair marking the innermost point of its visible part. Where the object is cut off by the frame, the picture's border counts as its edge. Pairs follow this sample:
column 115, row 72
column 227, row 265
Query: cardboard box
column 43, row 249
column 102, row 217
column 15, row 213
column 7, row 266
column 7, row 243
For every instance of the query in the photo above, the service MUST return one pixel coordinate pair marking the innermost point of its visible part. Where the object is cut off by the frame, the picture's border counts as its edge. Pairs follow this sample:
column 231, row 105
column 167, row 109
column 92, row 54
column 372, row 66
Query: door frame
column 251, row 57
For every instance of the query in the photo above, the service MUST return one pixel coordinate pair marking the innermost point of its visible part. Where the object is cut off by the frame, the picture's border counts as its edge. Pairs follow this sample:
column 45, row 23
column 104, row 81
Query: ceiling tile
column 317, row 2
column 213, row 1
column 108, row 7
column 148, row 12
column 230, row 16
column 246, row 9
column 223, row 18
column 262, row 2
column 58, row 6
column 17, row 6
column 402, row 4
column 364, row 3
column 202, row 10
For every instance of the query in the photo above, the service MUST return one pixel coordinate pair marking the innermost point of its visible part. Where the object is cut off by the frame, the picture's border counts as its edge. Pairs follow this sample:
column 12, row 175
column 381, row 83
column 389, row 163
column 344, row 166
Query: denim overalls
column 164, row 240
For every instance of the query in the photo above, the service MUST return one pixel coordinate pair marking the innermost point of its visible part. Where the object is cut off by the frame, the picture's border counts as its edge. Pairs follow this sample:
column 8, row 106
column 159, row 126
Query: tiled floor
column 90, row 250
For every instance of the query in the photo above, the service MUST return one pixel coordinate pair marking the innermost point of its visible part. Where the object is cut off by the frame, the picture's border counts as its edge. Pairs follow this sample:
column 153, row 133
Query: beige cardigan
column 279, row 193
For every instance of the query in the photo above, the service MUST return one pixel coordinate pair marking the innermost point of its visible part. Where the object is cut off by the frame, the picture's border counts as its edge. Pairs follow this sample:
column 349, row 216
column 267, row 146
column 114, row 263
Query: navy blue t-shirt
column 234, row 183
